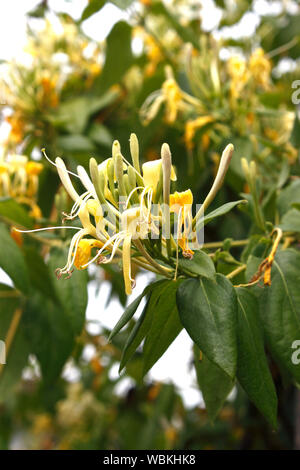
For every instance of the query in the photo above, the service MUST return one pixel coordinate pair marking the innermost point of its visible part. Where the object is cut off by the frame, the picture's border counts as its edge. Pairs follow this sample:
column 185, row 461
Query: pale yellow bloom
column 192, row 126
column 170, row 94
column 181, row 204
column 237, row 70
column 260, row 67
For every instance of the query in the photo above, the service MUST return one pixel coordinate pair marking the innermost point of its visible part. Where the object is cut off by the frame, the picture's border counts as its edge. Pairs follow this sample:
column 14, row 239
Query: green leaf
column 73, row 114
column 123, row 4
column 208, row 309
column 201, row 264
column 290, row 222
column 50, row 334
column 214, row 384
column 127, row 315
column 130, row 311
column 100, row 135
column 12, row 261
column 14, row 212
column 16, row 356
column 93, row 7
column 143, row 325
column 71, row 292
column 288, row 196
column 252, row 367
column 39, row 272
column 118, row 55
column 222, row 210
column 253, row 263
column 165, row 326
column 280, row 312
column 75, row 143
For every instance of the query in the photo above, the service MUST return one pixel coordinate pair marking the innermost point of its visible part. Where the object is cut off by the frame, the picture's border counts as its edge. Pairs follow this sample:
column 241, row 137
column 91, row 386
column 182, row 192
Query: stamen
column 48, row 228
column 131, row 193
column 54, row 164
column 109, row 242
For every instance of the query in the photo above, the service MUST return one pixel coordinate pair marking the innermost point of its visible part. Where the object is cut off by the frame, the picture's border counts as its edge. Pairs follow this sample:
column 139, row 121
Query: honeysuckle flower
column 192, row 126
column 181, row 204
column 130, row 225
column 19, row 180
column 170, row 94
column 260, row 67
column 238, row 72
column 123, row 212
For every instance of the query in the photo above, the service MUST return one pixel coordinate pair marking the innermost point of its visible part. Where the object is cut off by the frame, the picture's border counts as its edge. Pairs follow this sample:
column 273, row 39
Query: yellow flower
column 260, row 67
column 172, row 96
column 34, row 168
column 84, row 249
column 127, row 226
column 191, row 127
column 181, row 203
column 237, row 70
column 151, row 173
column 17, row 127
column 123, row 229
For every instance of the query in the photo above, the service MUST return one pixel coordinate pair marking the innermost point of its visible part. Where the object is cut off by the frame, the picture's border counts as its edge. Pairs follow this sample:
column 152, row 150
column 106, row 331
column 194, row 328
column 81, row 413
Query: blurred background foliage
column 163, row 76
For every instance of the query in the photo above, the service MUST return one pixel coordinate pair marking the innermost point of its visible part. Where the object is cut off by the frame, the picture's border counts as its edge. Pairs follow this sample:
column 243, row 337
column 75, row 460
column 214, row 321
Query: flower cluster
column 19, row 180
column 130, row 212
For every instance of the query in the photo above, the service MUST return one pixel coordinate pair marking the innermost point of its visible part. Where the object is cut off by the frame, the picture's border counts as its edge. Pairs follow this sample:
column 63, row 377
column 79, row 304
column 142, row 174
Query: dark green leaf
column 12, row 261
column 201, row 265
column 14, row 212
column 165, row 326
column 71, row 292
column 208, row 309
column 214, row 384
column 288, row 196
column 222, row 210
column 143, row 324
column 128, row 314
column 280, row 311
column 39, row 272
column 49, row 333
column 16, row 356
column 252, row 367
column 118, row 55
column 290, row 222
column 93, row 7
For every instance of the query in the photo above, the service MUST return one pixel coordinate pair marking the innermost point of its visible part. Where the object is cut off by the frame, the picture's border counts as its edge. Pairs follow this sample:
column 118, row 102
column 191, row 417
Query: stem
column 220, row 244
column 236, row 271
column 283, row 48
column 11, row 332
column 161, row 269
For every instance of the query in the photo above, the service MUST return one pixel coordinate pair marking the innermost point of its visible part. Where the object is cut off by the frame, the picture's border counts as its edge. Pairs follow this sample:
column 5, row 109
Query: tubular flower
column 260, row 67
column 120, row 229
column 181, row 203
column 19, row 180
column 123, row 212
column 192, row 126
column 172, row 96
column 237, row 70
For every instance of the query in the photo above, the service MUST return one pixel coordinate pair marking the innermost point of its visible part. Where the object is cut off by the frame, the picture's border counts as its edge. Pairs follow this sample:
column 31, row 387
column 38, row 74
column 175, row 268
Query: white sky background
column 175, row 364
